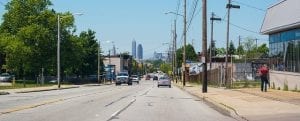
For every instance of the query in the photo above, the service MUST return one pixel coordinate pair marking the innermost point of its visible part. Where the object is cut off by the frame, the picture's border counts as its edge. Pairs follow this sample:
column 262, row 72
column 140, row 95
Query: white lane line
column 115, row 114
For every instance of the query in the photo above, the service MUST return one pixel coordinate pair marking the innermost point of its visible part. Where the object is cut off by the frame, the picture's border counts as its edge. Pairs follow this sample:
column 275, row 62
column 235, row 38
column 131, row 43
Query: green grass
column 29, row 84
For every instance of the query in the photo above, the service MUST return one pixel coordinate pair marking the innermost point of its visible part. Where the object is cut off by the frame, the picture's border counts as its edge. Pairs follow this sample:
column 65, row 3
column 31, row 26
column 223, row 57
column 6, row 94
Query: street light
column 58, row 47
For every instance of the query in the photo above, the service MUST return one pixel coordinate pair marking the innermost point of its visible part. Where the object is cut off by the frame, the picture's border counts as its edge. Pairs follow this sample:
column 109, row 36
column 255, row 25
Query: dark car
column 6, row 77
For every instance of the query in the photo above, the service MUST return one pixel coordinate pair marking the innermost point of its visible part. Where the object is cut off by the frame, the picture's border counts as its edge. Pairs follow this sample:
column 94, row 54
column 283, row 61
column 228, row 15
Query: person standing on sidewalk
column 264, row 72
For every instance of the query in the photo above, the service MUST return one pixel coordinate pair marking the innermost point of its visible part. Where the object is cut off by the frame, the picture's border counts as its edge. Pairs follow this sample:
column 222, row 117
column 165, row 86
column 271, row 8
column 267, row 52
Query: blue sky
column 121, row 21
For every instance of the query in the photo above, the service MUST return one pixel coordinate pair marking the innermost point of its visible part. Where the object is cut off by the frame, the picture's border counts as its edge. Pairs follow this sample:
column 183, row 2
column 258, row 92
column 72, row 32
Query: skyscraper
column 133, row 49
column 140, row 52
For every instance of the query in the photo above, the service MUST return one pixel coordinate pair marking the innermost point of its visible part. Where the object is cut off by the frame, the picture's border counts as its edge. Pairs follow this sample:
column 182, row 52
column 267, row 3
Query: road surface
column 143, row 102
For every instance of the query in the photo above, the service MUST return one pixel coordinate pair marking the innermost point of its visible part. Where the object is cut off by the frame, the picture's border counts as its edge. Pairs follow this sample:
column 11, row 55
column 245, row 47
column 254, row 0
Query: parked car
column 6, row 77
column 135, row 78
column 123, row 78
column 155, row 78
column 164, row 81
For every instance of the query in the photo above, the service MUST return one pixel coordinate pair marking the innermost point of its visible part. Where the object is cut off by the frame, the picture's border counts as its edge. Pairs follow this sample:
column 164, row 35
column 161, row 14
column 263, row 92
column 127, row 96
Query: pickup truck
column 123, row 78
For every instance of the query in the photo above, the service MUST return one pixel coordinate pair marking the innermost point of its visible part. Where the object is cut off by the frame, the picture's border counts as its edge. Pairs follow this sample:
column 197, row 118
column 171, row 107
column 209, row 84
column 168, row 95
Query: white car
column 123, row 78
column 135, row 78
column 164, row 81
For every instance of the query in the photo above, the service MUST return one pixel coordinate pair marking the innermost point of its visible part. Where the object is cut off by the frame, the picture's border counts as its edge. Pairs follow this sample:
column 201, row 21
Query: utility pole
column 239, row 40
column 175, row 48
column 204, row 46
column 184, row 48
column 228, row 6
column 98, row 70
column 58, row 51
column 212, row 19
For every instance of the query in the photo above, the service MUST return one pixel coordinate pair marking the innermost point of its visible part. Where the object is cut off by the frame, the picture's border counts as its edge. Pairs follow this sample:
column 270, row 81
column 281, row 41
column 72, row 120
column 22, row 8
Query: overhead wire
column 249, row 6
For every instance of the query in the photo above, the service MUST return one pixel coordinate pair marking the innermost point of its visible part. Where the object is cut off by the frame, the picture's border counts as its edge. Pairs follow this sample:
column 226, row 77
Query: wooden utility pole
column 204, row 46
column 184, row 44
column 212, row 19
column 175, row 48
column 228, row 6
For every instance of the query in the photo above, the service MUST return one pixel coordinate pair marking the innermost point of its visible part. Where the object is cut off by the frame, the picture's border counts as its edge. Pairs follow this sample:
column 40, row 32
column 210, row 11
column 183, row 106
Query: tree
column 29, row 41
column 164, row 67
column 89, row 52
column 249, row 44
column 221, row 51
column 240, row 50
column 190, row 54
column 263, row 49
column 231, row 49
column 213, row 51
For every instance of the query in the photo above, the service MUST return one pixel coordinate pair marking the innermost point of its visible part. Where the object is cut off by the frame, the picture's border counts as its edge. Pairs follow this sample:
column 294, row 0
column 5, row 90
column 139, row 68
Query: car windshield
column 163, row 78
column 4, row 74
column 122, row 74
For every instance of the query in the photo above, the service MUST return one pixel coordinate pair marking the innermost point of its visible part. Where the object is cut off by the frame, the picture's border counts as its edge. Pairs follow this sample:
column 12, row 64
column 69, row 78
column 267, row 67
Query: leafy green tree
column 263, row 49
column 240, row 50
column 221, row 51
column 29, row 41
column 249, row 44
column 231, row 49
column 191, row 55
column 87, row 49
column 164, row 67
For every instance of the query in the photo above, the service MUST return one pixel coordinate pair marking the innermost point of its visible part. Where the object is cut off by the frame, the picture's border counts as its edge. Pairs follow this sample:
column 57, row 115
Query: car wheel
column 169, row 86
column 158, row 86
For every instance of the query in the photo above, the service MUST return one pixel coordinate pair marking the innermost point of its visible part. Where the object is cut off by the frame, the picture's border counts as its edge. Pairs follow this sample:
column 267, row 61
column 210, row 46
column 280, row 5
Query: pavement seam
column 115, row 114
column 232, row 112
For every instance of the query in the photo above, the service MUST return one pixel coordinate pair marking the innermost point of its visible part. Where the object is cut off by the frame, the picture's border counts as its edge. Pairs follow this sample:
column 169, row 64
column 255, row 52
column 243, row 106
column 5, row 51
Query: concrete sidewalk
column 251, row 104
column 39, row 89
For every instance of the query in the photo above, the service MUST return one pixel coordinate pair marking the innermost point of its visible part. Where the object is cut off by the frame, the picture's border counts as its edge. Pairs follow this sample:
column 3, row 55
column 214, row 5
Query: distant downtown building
column 133, row 49
column 282, row 24
column 140, row 52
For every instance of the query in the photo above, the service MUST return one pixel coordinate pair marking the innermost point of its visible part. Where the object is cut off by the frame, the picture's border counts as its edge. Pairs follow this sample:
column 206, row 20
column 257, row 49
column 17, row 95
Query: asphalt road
column 143, row 102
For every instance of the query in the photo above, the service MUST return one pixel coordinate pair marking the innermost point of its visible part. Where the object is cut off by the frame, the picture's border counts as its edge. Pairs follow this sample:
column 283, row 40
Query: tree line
column 28, row 41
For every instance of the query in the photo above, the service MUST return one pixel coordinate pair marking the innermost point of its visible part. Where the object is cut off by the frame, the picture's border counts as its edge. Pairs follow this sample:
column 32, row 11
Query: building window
column 285, row 51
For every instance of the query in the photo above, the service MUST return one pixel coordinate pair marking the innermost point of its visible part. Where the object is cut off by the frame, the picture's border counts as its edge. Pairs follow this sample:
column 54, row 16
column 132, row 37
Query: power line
column 177, row 9
column 250, row 6
column 195, row 4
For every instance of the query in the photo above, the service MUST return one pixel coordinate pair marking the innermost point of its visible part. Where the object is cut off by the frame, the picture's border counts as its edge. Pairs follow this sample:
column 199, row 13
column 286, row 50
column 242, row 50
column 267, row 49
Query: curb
column 42, row 90
column 4, row 93
column 220, row 107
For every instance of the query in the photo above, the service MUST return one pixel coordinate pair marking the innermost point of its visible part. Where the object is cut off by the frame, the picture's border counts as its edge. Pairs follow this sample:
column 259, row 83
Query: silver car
column 164, row 81
column 135, row 78
column 6, row 77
